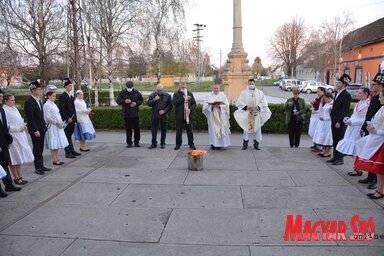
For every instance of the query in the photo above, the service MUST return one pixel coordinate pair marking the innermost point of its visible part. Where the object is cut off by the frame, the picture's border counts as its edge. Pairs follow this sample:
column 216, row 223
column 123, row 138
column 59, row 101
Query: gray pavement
column 115, row 200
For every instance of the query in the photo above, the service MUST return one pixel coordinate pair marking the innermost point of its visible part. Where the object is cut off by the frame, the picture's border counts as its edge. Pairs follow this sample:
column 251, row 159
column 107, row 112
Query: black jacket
column 34, row 115
column 5, row 139
column 67, row 107
column 134, row 96
column 164, row 103
column 178, row 102
column 340, row 107
column 374, row 106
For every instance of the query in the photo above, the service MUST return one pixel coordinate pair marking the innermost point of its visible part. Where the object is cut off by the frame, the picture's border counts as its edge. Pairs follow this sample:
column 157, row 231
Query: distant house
column 362, row 54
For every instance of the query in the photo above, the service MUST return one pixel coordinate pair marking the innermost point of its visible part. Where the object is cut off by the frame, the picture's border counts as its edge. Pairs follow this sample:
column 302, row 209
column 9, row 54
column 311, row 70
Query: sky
column 260, row 19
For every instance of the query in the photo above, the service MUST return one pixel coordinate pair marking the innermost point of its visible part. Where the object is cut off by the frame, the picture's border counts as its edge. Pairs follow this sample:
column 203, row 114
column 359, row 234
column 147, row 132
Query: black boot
column 73, row 152
column 3, row 193
column 68, row 153
column 256, row 145
column 245, row 145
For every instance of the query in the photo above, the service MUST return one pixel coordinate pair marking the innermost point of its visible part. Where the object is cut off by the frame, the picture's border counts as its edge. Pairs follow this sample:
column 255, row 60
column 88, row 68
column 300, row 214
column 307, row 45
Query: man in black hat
column 5, row 140
column 68, row 115
column 130, row 100
column 33, row 108
column 374, row 106
column 339, row 110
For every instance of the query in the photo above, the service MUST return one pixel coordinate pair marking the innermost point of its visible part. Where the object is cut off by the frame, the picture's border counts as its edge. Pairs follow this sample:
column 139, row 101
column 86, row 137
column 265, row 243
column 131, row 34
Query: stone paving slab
column 317, row 178
column 180, row 196
column 230, row 226
column 243, row 177
column 105, row 223
column 90, row 161
column 138, row 162
column 340, row 197
column 12, row 210
column 28, row 246
column 65, row 173
column 92, row 194
column 315, row 251
column 151, row 175
column 103, row 248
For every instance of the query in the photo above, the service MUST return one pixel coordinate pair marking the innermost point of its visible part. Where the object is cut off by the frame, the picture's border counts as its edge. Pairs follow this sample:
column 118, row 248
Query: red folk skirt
column 374, row 165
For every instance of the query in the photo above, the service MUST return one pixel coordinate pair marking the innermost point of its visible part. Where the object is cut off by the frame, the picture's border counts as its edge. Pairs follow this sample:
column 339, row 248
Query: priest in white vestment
column 251, row 114
column 216, row 109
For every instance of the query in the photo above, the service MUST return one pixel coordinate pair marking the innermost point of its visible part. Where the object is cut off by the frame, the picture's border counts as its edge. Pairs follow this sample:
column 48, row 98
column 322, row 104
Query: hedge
column 111, row 118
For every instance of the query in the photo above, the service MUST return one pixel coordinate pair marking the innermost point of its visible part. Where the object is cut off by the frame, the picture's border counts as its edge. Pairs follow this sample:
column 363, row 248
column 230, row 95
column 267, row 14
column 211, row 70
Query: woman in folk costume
column 84, row 128
column 251, row 114
column 216, row 109
column 352, row 134
column 314, row 120
column 56, row 138
column 369, row 150
column 19, row 151
column 323, row 133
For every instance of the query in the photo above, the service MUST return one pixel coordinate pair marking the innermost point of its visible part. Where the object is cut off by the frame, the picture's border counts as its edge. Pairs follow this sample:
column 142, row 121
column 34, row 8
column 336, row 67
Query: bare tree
column 333, row 34
column 287, row 44
column 36, row 28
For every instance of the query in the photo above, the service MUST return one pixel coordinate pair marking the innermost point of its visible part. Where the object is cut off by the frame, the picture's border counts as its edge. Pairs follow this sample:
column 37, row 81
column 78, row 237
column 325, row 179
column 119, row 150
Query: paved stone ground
column 119, row 201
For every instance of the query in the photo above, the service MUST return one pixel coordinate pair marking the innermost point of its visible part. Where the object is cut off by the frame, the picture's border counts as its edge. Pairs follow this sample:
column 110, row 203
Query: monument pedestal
column 236, row 75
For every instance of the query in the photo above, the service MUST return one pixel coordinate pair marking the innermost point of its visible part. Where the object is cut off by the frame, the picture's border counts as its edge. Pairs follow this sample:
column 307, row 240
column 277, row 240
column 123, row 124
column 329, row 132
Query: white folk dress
column 218, row 120
column 20, row 152
column 84, row 129
column 55, row 137
column 352, row 134
column 323, row 132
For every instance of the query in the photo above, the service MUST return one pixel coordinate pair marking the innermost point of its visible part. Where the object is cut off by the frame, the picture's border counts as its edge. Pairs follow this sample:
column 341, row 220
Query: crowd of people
column 360, row 135
column 333, row 133
column 49, row 126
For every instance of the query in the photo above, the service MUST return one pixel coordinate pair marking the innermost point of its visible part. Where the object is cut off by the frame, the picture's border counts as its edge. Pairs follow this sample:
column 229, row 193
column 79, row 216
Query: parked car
column 353, row 89
column 311, row 87
column 289, row 84
column 52, row 87
column 277, row 83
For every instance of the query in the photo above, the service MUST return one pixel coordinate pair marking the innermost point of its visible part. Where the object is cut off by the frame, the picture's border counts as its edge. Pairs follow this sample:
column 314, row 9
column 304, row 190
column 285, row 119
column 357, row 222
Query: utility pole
column 198, row 39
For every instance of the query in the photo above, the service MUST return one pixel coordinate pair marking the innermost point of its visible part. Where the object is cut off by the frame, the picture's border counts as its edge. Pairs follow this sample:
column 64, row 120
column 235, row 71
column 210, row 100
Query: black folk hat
column 345, row 79
column 33, row 85
column 379, row 78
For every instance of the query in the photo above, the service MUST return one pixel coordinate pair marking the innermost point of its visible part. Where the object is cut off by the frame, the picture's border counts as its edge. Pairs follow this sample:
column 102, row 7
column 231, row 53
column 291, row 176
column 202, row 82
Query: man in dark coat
column 5, row 140
column 374, row 106
column 130, row 100
column 180, row 99
column 339, row 110
column 161, row 103
column 33, row 108
column 68, row 115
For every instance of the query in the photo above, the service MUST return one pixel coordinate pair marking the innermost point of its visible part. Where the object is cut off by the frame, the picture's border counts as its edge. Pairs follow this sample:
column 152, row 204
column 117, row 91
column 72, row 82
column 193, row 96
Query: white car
column 311, row 87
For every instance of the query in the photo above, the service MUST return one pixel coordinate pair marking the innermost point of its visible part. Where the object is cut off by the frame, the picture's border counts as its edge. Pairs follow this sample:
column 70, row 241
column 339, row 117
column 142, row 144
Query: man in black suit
column 374, row 106
column 180, row 100
column 68, row 115
column 5, row 140
column 339, row 110
column 36, row 125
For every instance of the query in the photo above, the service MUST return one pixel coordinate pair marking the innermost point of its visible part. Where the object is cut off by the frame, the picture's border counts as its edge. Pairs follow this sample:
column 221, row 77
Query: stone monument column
column 236, row 70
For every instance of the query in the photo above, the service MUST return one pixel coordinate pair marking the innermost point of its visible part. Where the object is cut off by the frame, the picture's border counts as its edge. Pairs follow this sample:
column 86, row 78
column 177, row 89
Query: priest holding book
column 216, row 109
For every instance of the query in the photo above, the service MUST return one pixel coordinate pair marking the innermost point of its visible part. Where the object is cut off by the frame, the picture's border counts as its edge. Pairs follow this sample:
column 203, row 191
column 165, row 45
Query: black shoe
column 12, row 188
column 129, row 145
column 46, row 169
column 177, row 148
column 85, row 150
column 338, row 162
column 256, row 145
column 75, row 153
column 3, row 193
column 333, row 159
column 213, row 147
column 69, row 155
column 152, row 146
column 137, row 145
column 355, row 173
column 162, row 146
column 365, row 181
column 245, row 145
column 192, row 147
column 372, row 185
column 379, row 196
column 314, row 146
column 39, row 172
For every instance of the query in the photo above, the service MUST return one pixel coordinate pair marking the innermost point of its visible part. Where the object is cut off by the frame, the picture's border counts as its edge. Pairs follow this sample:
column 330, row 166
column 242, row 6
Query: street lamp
column 198, row 39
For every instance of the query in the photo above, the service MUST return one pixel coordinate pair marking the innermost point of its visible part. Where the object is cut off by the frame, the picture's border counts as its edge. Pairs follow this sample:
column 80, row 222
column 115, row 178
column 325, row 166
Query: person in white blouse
column 353, row 133
column 56, row 137
column 84, row 128
column 20, row 152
